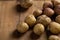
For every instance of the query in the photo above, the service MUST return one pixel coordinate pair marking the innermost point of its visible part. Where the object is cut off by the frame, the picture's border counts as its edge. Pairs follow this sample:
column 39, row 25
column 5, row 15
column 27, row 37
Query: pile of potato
column 42, row 19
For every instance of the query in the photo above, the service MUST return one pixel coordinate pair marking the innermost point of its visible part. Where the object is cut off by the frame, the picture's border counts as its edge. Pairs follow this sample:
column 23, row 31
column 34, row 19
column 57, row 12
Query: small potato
column 22, row 27
column 48, row 11
column 54, row 27
column 37, row 12
column 47, row 4
column 38, row 29
column 54, row 37
column 26, row 3
column 43, row 19
column 57, row 9
column 58, row 19
column 56, row 2
column 30, row 20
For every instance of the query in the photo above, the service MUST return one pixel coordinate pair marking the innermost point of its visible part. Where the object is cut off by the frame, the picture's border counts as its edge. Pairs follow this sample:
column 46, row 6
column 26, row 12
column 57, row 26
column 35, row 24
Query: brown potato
column 22, row 27
column 58, row 19
column 37, row 12
column 30, row 20
column 54, row 37
column 26, row 3
column 54, row 27
column 57, row 9
column 48, row 11
column 56, row 2
column 43, row 19
column 38, row 29
column 47, row 4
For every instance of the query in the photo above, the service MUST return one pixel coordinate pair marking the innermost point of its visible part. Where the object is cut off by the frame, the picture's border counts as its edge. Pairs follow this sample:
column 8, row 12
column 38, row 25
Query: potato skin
column 37, row 12
column 57, row 9
column 47, row 4
column 48, row 11
column 38, row 29
column 57, row 19
column 54, row 27
column 43, row 19
column 22, row 27
column 54, row 37
column 55, row 2
column 26, row 3
column 30, row 20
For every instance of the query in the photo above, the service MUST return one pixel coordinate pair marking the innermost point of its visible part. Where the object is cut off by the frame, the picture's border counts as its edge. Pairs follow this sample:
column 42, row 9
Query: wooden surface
column 9, row 19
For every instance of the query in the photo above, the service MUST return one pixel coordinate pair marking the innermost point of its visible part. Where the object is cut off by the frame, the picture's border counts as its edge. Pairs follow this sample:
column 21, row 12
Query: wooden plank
column 8, row 19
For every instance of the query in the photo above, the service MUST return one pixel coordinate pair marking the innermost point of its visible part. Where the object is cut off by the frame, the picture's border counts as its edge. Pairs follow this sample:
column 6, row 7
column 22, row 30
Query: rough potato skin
column 43, row 19
column 47, row 4
column 54, row 37
column 48, row 11
column 38, row 29
column 55, row 2
column 57, row 9
column 22, row 27
column 26, row 3
column 30, row 20
column 37, row 12
column 58, row 19
column 54, row 27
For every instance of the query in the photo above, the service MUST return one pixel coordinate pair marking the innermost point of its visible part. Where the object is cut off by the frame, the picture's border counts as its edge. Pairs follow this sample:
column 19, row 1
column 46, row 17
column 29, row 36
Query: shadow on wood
column 17, row 34
column 33, row 36
column 18, row 8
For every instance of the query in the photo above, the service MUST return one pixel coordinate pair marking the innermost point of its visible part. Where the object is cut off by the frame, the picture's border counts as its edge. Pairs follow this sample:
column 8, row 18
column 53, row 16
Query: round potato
column 37, row 12
column 22, row 27
column 43, row 19
column 38, row 29
column 30, row 20
column 47, row 4
column 58, row 19
column 48, row 11
column 26, row 3
column 54, row 27
column 54, row 37
column 57, row 9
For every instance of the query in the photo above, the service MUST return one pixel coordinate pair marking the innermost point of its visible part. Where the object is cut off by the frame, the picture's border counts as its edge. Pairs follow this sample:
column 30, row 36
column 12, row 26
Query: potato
column 22, row 27
column 43, row 19
column 56, row 2
column 54, row 37
column 38, row 29
column 54, row 27
column 58, row 19
column 37, row 12
column 30, row 20
column 47, row 4
column 48, row 11
column 26, row 3
column 57, row 9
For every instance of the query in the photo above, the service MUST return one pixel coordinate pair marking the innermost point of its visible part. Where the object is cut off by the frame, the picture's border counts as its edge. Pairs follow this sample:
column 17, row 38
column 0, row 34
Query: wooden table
column 9, row 19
